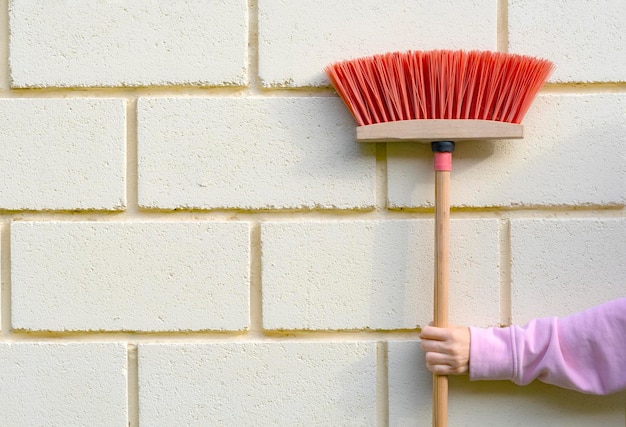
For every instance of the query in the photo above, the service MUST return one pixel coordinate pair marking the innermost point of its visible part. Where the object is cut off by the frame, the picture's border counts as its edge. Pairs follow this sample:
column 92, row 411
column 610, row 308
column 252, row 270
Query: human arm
column 585, row 351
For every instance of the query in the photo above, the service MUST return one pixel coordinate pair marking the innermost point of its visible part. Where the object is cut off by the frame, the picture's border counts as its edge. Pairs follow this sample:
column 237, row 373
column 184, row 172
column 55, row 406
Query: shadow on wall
column 502, row 403
column 411, row 178
column 401, row 279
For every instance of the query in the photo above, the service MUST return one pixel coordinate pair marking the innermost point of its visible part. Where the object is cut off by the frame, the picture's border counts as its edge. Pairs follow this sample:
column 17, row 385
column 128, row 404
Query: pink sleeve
column 585, row 351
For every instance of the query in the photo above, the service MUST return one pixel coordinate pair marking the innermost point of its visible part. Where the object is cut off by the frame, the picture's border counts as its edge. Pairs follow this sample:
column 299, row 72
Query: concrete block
column 2, row 277
column 63, row 154
column 319, row 32
column 270, row 383
column 561, row 266
column 585, row 40
column 568, row 157
column 374, row 274
column 410, row 385
column 63, row 384
column 56, row 43
column 252, row 153
column 143, row 276
column 502, row 403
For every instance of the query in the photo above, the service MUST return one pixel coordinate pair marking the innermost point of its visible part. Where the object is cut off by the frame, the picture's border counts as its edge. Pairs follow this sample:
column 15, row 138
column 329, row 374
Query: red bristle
column 349, row 92
column 377, row 110
column 419, row 86
column 432, row 99
column 364, row 95
column 535, row 80
column 439, row 84
column 460, row 87
column 383, row 71
column 405, row 109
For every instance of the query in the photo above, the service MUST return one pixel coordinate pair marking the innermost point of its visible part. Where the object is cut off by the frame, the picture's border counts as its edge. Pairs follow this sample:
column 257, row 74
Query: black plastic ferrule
column 442, row 146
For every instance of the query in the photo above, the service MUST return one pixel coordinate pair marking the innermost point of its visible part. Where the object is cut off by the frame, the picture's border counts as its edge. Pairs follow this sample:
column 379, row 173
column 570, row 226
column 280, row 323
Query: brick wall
column 189, row 234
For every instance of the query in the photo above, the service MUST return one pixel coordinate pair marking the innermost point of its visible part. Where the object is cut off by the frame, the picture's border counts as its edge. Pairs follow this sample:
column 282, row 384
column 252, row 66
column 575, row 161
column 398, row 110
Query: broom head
column 439, row 84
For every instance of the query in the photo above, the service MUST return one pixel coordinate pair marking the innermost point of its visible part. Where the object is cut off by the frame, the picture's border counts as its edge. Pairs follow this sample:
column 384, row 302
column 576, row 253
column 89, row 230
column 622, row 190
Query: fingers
column 432, row 345
column 446, row 349
column 445, row 370
column 444, row 364
column 434, row 333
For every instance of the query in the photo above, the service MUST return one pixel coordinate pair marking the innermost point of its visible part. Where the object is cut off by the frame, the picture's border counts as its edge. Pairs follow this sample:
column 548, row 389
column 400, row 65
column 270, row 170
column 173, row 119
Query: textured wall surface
column 189, row 234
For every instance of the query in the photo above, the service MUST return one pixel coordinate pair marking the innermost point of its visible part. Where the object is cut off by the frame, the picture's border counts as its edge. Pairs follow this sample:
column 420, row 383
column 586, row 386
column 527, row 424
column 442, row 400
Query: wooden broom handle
column 442, row 166
column 442, row 245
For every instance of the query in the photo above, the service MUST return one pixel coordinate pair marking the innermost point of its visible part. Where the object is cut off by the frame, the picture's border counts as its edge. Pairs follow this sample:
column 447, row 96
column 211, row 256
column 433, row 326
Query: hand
column 447, row 349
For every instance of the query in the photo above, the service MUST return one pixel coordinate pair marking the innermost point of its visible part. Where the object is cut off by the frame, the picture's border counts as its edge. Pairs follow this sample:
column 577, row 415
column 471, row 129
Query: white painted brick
column 586, row 41
column 410, row 385
column 279, row 383
column 502, row 403
column 252, row 153
column 562, row 266
column 374, row 274
column 568, row 157
column 4, row 50
column 318, row 32
column 138, row 43
column 144, row 276
column 74, row 384
column 3, row 227
column 62, row 154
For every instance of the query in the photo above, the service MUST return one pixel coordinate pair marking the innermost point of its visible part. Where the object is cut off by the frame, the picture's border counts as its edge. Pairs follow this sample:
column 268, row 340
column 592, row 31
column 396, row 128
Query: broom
column 439, row 96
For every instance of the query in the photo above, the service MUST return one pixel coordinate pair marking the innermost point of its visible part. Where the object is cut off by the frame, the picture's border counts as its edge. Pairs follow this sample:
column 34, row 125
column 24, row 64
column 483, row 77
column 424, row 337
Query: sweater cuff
column 491, row 354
